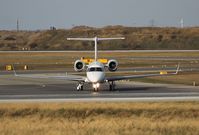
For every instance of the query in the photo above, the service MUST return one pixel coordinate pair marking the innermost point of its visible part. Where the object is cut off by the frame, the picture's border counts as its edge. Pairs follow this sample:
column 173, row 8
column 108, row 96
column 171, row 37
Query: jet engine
column 79, row 66
column 112, row 65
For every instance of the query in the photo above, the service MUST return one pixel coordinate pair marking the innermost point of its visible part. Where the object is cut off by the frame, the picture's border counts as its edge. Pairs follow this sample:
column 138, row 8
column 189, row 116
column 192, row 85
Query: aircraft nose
column 95, row 78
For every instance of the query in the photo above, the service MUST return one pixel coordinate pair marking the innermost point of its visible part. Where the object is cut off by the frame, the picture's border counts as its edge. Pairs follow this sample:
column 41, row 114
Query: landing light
column 96, row 85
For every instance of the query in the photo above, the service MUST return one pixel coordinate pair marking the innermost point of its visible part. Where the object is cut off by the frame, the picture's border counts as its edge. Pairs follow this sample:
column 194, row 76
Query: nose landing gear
column 96, row 87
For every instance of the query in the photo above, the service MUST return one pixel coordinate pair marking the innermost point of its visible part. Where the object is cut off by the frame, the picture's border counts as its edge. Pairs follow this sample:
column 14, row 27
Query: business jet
column 95, row 71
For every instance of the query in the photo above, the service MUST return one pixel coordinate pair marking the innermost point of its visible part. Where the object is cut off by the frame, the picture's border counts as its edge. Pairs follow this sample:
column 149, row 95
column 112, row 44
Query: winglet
column 178, row 68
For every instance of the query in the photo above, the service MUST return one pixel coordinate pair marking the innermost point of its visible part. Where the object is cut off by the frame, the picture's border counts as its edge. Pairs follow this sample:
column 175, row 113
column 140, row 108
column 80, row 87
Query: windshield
column 96, row 69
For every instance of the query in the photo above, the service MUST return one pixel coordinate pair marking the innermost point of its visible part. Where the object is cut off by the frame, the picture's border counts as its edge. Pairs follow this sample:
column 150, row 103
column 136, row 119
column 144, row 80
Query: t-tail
column 95, row 39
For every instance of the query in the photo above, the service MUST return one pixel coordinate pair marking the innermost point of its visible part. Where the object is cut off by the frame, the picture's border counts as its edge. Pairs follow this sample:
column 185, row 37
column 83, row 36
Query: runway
column 13, row 89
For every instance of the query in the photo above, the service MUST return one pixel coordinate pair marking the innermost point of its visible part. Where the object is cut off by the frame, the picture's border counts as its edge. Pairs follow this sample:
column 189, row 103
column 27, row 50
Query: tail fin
column 95, row 39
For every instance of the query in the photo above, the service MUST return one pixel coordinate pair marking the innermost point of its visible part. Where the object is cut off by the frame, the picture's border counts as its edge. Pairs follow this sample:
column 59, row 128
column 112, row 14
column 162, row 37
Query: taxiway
column 14, row 89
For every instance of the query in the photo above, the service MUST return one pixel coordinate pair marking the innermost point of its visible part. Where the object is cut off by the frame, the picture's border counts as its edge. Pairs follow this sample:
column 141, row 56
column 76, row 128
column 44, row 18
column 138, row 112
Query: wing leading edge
column 117, row 78
column 68, row 77
column 60, row 77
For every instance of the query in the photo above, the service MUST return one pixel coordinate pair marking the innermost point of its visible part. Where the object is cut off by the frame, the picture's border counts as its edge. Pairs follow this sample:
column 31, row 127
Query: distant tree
column 9, row 38
column 33, row 45
column 160, row 38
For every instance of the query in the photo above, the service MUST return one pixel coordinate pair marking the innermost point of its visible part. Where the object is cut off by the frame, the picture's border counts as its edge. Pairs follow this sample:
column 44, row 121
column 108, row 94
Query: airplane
column 95, row 71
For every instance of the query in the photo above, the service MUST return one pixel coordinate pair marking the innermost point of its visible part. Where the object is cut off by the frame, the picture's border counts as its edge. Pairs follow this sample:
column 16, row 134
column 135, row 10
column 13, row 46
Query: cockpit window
column 92, row 69
column 97, row 69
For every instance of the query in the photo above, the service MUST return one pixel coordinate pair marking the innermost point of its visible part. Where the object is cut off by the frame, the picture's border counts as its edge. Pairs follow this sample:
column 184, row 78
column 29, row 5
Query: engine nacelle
column 112, row 65
column 79, row 66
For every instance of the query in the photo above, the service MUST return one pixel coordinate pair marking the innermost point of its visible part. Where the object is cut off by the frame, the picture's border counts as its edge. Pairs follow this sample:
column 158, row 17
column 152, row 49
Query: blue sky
column 41, row 14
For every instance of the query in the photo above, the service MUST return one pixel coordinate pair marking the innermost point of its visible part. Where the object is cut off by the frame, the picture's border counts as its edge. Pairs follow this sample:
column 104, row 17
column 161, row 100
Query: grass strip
column 179, row 118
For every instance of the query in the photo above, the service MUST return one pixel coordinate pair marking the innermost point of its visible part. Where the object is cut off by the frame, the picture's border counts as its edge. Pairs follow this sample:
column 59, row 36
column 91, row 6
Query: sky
column 42, row 14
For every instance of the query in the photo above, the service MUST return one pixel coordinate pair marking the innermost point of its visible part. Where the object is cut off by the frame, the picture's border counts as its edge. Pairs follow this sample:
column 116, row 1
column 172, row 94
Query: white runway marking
column 99, row 97
column 138, row 99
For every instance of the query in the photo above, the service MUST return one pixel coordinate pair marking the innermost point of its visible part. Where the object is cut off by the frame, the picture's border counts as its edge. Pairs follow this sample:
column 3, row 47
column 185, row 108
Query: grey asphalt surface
column 28, row 89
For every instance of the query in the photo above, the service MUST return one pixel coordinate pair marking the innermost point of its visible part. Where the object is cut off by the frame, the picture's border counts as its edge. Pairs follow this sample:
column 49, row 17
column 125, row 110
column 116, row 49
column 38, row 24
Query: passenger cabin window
column 95, row 69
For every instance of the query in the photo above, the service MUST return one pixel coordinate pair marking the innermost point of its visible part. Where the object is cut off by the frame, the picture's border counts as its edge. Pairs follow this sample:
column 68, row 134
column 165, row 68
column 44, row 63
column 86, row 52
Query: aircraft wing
column 117, row 78
column 58, row 77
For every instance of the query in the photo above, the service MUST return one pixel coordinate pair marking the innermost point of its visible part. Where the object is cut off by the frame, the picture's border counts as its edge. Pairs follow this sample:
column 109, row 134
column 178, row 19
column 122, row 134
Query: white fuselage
column 95, row 72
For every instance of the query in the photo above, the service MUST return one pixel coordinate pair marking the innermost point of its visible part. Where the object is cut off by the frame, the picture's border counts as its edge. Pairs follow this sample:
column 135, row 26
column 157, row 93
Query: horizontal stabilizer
column 81, row 39
column 95, row 39
column 102, row 39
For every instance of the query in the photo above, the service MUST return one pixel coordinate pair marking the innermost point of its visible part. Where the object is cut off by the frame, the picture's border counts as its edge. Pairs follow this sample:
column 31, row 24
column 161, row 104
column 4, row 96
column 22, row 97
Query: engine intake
column 79, row 66
column 112, row 65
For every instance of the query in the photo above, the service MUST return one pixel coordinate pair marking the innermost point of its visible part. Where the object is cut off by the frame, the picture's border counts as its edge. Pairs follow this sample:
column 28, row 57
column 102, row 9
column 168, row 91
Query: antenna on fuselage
column 95, row 39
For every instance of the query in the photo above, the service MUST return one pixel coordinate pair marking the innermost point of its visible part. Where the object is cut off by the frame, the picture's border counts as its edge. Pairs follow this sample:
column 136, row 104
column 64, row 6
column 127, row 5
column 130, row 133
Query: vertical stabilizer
column 95, row 39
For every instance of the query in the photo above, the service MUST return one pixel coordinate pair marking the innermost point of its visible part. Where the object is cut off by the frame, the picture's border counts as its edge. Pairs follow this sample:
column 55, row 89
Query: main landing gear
column 112, row 86
column 80, row 86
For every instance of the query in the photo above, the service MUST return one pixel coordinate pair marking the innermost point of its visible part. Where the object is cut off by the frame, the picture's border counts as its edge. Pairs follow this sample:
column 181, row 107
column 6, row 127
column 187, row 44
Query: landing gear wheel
column 112, row 86
column 79, row 87
column 96, row 89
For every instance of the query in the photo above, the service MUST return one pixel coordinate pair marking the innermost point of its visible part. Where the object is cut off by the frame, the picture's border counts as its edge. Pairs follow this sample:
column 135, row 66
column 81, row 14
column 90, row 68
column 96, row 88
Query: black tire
column 110, row 87
column 95, row 89
column 82, row 88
